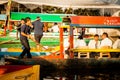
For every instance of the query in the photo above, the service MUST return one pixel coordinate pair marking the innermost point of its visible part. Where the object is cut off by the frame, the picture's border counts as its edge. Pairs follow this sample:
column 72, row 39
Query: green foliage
column 53, row 9
column 87, row 12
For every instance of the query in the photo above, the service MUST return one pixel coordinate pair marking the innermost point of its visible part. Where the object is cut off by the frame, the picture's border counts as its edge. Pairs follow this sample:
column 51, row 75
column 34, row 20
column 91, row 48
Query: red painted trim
column 95, row 20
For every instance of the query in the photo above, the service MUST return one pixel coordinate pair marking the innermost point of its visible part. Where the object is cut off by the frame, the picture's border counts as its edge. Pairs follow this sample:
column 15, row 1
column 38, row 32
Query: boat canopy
column 95, row 22
column 16, row 16
column 71, row 3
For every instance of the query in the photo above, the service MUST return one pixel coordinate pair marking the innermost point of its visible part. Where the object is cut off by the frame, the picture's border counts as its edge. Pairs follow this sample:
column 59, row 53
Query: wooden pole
column 71, row 41
column 8, row 13
column 18, row 7
column 41, row 8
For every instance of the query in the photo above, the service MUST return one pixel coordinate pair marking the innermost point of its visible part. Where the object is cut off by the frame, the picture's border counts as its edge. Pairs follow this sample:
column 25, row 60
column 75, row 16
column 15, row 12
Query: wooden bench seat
column 103, row 52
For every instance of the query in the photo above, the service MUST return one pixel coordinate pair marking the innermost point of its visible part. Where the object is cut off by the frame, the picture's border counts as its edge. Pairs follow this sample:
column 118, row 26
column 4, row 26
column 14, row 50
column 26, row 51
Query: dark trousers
column 114, row 54
column 94, row 54
column 26, row 49
column 38, row 37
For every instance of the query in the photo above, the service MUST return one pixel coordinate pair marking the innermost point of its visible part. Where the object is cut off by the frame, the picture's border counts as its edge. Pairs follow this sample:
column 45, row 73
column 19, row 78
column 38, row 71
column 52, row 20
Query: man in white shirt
column 55, row 28
column 94, row 44
column 116, row 45
column 66, row 45
column 79, row 43
column 106, row 42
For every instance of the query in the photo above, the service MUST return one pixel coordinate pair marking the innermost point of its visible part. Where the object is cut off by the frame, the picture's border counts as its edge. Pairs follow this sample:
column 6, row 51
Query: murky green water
column 82, row 75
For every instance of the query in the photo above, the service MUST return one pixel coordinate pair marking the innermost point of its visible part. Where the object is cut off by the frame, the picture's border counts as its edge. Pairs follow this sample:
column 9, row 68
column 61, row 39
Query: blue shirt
column 26, row 30
column 38, row 27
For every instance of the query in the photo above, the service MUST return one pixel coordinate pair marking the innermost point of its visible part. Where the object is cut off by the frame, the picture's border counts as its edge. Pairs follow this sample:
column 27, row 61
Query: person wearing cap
column 94, row 44
column 38, row 31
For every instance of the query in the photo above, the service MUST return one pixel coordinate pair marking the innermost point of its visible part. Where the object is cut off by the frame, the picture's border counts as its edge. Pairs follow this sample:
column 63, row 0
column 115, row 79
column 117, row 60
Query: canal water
column 75, row 69
column 82, row 69
column 83, row 75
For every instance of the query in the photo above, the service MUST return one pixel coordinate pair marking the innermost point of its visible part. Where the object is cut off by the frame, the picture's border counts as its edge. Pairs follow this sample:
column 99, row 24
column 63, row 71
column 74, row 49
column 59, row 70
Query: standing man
column 38, row 31
column 24, row 36
column 22, row 22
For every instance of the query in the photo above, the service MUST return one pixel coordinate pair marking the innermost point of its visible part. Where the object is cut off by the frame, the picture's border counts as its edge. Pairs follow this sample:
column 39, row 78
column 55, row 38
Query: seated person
column 106, row 43
column 55, row 28
column 80, row 43
column 66, row 45
column 116, row 45
column 94, row 44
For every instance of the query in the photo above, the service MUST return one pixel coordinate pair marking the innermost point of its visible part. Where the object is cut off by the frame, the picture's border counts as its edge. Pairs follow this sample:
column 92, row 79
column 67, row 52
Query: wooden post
column 8, row 13
column 5, row 30
column 45, row 26
column 71, row 41
column 61, row 43
column 5, row 26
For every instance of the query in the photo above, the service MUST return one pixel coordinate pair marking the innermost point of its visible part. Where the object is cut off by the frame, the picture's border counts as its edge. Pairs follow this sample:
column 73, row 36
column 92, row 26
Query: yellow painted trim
column 65, row 26
column 31, row 73
column 95, row 50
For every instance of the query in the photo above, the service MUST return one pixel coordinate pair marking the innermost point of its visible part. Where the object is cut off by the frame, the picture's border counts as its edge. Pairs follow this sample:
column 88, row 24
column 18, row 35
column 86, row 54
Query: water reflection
column 84, row 75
